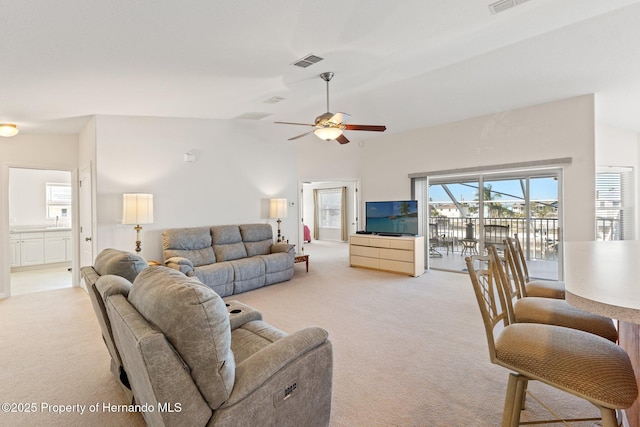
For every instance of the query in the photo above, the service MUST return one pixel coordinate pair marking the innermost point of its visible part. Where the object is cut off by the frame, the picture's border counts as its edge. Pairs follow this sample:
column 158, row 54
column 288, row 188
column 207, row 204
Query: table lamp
column 278, row 210
column 137, row 208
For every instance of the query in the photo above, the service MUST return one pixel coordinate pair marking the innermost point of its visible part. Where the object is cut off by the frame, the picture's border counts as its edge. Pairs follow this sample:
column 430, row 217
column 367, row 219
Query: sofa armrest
column 239, row 313
column 181, row 264
column 283, row 247
column 258, row 368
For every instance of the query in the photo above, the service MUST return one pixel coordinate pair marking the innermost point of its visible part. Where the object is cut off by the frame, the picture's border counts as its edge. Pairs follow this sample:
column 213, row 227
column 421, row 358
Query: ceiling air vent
column 502, row 5
column 307, row 61
column 274, row 100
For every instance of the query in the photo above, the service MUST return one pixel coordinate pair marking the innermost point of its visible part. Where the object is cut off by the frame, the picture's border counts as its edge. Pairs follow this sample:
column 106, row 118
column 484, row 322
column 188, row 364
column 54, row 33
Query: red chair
column 307, row 234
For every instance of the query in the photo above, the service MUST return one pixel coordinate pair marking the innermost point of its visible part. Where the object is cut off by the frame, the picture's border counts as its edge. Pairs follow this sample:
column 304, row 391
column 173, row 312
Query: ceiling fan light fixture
column 328, row 133
column 8, row 129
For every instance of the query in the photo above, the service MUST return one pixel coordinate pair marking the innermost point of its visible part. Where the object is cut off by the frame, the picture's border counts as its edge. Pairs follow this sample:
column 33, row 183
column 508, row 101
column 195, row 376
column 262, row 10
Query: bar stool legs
column 514, row 404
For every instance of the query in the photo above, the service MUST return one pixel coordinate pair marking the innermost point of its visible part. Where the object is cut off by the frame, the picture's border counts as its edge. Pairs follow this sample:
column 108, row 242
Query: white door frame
column 84, row 238
column 5, row 269
column 356, row 201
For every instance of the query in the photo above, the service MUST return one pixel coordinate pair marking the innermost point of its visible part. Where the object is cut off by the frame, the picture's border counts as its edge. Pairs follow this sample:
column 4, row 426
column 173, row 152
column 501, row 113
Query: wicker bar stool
column 544, row 310
column 577, row 362
column 532, row 288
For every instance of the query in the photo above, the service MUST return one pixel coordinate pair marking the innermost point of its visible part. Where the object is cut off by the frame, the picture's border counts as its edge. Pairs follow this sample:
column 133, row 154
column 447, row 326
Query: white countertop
column 603, row 278
column 27, row 229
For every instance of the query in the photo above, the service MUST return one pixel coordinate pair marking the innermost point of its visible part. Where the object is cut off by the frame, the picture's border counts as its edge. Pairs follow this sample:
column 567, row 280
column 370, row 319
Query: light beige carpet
column 407, row 351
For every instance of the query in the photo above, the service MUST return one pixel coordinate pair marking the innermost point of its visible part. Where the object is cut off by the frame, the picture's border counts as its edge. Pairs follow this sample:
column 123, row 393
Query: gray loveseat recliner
column 229, row 258
column 194, row 365
column 112, row 273
column 125, row 265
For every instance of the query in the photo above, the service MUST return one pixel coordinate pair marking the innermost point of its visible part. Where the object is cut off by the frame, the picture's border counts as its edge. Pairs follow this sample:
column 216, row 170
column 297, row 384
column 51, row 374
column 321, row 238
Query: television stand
column 403, row 254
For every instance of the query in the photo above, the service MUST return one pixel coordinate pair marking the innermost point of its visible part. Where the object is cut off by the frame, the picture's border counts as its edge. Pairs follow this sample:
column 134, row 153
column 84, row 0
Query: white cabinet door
column 31, row 251
column 55, row 249
column 14, row 251
column 67, row 255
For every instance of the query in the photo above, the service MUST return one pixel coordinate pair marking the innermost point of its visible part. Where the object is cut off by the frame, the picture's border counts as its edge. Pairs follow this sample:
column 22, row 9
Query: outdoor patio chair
column 435, row 239
column 494, row 235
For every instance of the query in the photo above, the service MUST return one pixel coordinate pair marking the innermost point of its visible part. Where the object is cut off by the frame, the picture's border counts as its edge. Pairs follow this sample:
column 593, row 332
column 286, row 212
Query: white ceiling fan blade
column 339, row 118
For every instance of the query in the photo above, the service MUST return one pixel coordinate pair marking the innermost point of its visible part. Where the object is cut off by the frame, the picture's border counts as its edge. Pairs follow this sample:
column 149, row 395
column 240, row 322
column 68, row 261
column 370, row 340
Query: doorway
column 40, row 229
column 328, row 210
column 472, row 211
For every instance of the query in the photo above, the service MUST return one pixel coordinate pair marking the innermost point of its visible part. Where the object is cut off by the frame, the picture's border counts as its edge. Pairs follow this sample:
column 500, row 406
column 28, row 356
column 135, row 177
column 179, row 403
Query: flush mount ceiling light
column 8, row 129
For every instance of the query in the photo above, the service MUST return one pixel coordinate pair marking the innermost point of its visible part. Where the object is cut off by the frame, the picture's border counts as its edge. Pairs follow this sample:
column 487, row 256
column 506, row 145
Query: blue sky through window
column 510, row 190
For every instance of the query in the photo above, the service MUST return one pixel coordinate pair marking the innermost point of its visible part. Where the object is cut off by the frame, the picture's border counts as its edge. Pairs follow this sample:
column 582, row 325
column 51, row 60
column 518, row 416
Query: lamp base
column 138, row 242
column 279, row 238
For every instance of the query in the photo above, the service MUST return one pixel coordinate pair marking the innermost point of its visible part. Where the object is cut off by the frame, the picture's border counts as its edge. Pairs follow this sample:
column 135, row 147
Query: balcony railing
column 608, row 229
column 543, row 233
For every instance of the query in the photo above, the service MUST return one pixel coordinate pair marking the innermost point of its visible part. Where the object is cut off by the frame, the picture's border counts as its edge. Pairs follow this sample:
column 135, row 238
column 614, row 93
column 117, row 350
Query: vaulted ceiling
column 406, row 64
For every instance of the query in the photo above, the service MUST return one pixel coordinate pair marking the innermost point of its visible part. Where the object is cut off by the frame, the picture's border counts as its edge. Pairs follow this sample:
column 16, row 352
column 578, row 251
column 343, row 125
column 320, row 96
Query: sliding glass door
column 466, row 213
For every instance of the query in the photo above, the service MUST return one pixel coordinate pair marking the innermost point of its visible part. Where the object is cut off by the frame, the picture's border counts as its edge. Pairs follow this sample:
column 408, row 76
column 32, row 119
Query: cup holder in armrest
column 240, row 313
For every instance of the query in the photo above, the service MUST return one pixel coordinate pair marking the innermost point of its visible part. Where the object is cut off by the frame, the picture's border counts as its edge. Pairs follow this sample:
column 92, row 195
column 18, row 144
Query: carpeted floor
column 407, row 351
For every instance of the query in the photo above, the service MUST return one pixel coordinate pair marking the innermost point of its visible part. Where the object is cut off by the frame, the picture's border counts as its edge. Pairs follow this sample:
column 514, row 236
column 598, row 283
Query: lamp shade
column 278, row 208
column 328, row 134
column 8, row 129
column 137, row 208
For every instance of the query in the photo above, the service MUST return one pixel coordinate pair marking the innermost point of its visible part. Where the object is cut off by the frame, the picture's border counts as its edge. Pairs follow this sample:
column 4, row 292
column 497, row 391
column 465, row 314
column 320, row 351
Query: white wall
column 554, row 130
column 240, row 166
column 27, row 196
column 58, row 152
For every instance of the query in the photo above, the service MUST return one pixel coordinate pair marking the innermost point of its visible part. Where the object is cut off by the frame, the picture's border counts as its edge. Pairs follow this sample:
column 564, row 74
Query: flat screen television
column 391, row 218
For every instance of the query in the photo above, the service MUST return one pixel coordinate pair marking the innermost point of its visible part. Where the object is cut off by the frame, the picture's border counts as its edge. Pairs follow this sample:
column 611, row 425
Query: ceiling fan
column 329, row 126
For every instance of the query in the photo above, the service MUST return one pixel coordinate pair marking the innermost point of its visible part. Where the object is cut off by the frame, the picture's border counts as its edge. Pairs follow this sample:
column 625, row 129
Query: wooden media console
column 397, row 254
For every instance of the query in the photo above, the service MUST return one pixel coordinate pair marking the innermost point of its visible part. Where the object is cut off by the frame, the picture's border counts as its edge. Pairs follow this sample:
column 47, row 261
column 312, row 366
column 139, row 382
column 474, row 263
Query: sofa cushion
column 227, row 243
column 225, row 234
column 256, row 232
column 262, row 247
column 230, row 252
column 218, row 276
column 278, row 267
column 120, row 263
column 276, row 262
column 191, row 243
column 257, row 238
column 195, row 321
column 249, row 273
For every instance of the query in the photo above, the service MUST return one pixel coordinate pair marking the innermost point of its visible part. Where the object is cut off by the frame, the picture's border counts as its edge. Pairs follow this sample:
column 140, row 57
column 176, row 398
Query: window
column 614, row 204
column 330, row 201
column 526, row 202
column 58, row 200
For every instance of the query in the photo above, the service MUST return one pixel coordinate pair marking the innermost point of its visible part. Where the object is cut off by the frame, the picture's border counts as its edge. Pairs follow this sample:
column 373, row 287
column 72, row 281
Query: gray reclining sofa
column 230, row 259
column 195, row 363
column 113, row 272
